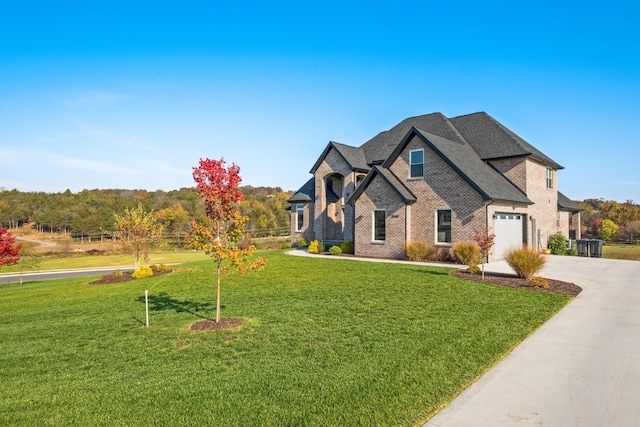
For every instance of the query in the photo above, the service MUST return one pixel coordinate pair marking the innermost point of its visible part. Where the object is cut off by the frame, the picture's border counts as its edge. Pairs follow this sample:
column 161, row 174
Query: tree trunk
column 218, row 297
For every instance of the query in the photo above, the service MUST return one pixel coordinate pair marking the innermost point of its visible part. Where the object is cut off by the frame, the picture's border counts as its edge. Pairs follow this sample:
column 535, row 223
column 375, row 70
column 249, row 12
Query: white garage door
column 508, row 233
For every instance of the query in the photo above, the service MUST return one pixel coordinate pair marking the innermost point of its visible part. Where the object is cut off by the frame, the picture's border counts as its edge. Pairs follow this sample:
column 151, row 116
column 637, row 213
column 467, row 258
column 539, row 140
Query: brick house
column 434, row 179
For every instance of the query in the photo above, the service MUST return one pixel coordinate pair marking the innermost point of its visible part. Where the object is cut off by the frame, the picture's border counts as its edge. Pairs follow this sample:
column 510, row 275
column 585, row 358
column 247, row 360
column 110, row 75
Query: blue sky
column 120, row 95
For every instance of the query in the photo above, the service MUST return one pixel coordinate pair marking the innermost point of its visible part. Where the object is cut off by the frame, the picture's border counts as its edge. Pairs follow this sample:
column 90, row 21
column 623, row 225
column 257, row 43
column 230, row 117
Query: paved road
column 59, row 274
column 581, row 368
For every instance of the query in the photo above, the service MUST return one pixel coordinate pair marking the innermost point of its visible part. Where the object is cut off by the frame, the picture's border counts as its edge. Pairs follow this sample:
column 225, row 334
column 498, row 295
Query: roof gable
column 460, row 156
column 352, row 155
column 380, row 147
column 400, row 189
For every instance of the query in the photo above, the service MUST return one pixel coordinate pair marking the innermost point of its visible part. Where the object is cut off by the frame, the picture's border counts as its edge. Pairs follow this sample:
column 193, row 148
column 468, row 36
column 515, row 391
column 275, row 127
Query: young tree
column 137, row 230
column 485, row 242
column 224, row 229
column 9, row 250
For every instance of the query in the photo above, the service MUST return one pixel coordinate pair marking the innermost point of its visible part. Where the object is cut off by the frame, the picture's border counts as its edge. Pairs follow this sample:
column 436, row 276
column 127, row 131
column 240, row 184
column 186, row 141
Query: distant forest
column 90, row 213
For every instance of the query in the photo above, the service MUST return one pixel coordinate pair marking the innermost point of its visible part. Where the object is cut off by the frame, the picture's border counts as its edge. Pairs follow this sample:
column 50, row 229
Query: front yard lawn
column 324, row 342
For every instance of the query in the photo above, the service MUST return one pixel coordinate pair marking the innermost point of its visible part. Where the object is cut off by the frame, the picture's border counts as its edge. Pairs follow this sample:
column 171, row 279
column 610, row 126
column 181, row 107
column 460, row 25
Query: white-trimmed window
column 443, row 219
column 379, row 225
column 549, row 178
column 299, row 216
column 416, row 163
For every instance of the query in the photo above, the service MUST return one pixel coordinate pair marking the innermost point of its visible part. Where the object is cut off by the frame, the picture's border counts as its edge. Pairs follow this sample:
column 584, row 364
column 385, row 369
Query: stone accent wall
column 379, row 195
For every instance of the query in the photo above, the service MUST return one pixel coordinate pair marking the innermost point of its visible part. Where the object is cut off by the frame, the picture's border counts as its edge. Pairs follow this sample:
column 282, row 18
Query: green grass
column 86, row 261
column 325, row 342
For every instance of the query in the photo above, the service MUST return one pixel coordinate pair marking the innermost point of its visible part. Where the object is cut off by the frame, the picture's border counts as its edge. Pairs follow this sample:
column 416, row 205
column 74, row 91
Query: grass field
column 621, row 251
column 85, row 261
column 325, row 342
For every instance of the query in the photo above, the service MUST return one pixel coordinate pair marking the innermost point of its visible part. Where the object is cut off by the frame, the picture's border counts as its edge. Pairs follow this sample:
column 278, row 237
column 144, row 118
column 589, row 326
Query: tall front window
column 416, row 163
column 444, row 226
column 549, row 178
column 379, row 226
column 299, row 217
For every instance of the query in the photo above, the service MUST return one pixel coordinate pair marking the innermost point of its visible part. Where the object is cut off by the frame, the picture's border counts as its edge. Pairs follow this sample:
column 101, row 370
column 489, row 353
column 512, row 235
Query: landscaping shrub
column 420, row 251
column 557, row 244
column 335, row 250
column 347, row 247
column 444, row 255
column 525, row 262
column 301, row 242
column 314, row 247
column 540, row 282
column 474, row 269
column 142, row 272
column 467, row 253
column 162, row 268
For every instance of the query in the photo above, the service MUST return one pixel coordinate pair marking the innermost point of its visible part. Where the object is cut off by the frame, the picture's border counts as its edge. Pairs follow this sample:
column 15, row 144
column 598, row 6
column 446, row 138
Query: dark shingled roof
column 352, row 155
column 492, row 140
column 464, row 142
column 380, row 147
column 488, row 182
column 306, row 193
column 401, row 190
column 566, row 204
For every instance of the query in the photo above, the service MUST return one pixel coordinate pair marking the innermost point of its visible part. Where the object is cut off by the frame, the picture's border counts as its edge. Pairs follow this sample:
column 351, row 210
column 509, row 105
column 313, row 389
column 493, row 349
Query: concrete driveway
column 581, row 368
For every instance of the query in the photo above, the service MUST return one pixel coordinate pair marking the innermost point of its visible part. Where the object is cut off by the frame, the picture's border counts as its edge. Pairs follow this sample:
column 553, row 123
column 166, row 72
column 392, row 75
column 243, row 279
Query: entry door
column 509, row 233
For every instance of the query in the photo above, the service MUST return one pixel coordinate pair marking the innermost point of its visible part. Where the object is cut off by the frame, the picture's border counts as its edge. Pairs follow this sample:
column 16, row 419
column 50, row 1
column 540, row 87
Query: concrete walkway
column 581, row 368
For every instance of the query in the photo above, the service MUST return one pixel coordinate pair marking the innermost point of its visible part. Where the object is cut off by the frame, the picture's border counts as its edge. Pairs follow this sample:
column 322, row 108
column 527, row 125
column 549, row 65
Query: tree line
column 624, row 216
column 90, row 213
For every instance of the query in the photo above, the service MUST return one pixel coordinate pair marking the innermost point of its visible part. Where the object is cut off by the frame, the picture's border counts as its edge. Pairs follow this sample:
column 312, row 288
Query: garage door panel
column 509, row 233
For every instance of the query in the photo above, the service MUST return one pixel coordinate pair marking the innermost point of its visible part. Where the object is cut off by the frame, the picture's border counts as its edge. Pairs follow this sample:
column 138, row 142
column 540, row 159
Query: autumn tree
column 9, row 250
column 224, row 229
column 138, row 230
column 607, row 230
column 485, row 242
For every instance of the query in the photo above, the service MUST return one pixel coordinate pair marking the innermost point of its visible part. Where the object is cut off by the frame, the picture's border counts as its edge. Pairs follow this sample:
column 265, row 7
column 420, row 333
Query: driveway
column 581, row 368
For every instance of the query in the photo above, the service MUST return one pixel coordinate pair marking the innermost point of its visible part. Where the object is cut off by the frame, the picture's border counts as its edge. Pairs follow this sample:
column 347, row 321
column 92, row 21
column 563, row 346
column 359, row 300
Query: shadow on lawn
column 164, row 301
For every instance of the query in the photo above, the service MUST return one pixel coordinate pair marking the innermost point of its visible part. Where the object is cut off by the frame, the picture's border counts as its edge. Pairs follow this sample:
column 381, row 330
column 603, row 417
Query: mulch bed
column 211, row 325
column 119, row 278
column 512, row 281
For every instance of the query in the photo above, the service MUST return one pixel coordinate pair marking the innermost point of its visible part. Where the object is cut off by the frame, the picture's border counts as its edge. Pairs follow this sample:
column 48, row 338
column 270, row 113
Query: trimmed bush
column 314, row 247
column 335, row 250
column 525, row 262
column 142, row 272
column 347, row 247
column 420, row 251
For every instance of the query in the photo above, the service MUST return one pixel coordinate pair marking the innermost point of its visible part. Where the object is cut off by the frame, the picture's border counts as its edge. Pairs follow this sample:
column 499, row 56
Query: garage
column 509, row 230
